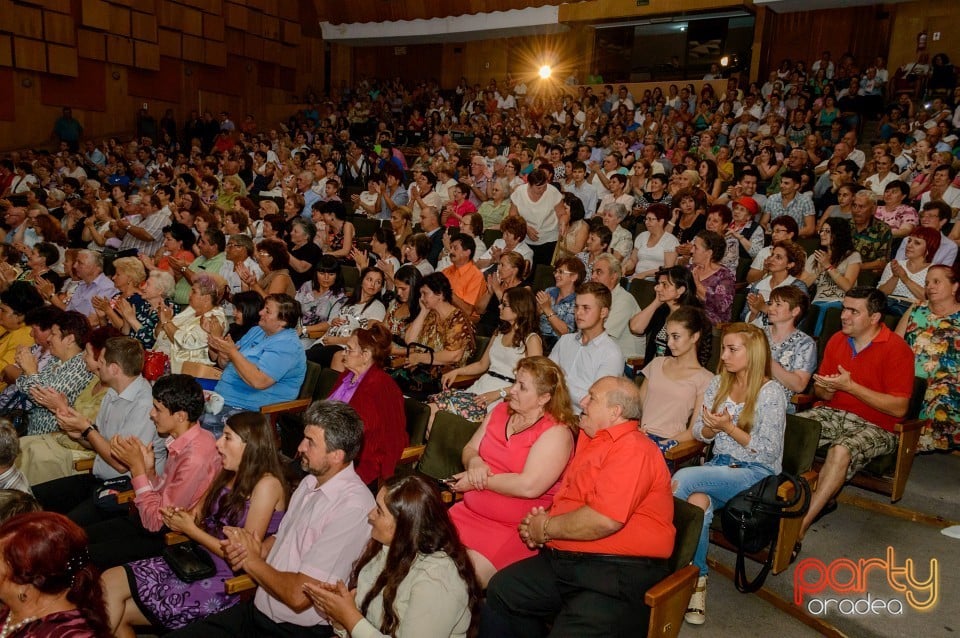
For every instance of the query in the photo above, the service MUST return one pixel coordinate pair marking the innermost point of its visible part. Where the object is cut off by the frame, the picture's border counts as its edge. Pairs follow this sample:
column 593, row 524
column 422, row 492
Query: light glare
column 545, row 71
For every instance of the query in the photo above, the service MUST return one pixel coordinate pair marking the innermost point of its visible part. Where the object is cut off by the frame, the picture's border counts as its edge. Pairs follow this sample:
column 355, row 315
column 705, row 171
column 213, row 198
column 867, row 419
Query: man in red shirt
column 604, row 541
column 865, row 382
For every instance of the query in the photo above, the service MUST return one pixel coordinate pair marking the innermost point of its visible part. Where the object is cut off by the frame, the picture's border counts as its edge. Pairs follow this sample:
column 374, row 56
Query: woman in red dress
column 514, row 463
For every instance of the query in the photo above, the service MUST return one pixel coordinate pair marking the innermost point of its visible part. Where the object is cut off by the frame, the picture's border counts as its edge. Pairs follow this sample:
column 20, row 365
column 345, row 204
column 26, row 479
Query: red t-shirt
column 621, row 474
column 886, row 365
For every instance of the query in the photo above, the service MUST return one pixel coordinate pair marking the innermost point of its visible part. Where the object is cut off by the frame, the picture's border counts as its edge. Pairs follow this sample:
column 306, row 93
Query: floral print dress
column 936, row 344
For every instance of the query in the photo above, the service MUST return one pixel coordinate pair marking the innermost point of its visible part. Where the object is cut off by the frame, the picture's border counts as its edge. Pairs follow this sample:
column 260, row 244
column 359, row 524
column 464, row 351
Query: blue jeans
column 720, row 483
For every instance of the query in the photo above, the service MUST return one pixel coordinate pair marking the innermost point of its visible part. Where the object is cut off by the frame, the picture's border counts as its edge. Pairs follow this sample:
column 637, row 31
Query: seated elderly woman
column 47, row 580
column 128, row 277
column 376, row 398
column 556, row 302
column 445, row 336
column 903, row 281
column 713, row 282
column 184, row 337
column 932, row 329
column 267, row 365
column 68, row 375
column 674, row 383
column 514, row 462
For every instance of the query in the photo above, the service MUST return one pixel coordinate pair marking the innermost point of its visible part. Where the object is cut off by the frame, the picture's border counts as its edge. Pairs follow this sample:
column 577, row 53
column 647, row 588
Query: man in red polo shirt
column 865, row 382
column 604, row 541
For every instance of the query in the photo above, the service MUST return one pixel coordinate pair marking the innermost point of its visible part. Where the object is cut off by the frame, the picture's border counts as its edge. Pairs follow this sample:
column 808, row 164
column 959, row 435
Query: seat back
column 310, row 381
column 449, row 435
column 351, row 277
column 482, row 341
column 831, row 325
column 326, row 381
column 491, row 235
column 643, row 291
column 417, row 416
column 543, row 277
column 688, row 520
column 800, row 439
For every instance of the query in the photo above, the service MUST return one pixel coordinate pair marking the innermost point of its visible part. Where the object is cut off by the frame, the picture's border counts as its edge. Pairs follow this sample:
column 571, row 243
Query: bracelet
column 551, row 316
column 543, row 530
column 321, row 341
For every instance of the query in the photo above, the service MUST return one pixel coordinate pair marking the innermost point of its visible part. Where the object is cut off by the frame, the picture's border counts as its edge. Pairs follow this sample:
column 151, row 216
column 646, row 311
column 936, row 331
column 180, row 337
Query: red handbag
column 155, row 365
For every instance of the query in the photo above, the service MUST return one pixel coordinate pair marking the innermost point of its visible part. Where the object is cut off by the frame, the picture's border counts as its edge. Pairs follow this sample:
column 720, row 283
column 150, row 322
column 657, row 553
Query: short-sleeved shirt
column 797, row 352
column 620, row 473
column 563, row 308
column 279, row 356
column 322, row 534
column 540, row 214
column 585, row 363
column 466, row 281
column 873, row 242
column 885, row 365
column 799, row 207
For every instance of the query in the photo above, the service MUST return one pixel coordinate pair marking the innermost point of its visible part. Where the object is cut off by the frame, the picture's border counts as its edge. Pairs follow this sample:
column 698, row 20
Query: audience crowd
column 617, row 273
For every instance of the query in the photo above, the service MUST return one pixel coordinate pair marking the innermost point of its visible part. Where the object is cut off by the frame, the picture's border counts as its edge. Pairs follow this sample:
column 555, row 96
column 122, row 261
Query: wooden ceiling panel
column 339, row 12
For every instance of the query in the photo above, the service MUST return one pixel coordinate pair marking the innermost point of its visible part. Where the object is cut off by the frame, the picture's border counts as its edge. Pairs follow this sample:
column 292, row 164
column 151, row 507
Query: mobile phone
column 450, row 481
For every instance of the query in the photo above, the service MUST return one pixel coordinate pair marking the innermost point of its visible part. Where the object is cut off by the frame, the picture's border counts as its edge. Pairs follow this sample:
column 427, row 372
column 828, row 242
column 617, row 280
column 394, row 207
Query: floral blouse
column 148, row 319
column 797, row 352
column 766, row 435
column 453, row 333
column 397, row 324
column 316, row 308
column 69, row 377
column 721, row 287
column 563, row 308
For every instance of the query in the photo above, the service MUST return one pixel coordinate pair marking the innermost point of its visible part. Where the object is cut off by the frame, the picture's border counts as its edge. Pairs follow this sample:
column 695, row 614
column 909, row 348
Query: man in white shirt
column 585, row 192
column 607, row 271
column 589, row 353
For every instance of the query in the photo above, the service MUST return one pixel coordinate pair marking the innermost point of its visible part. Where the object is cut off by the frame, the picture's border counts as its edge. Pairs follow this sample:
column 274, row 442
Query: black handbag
column 420, row 381
column 751, row 520
column 189, row 561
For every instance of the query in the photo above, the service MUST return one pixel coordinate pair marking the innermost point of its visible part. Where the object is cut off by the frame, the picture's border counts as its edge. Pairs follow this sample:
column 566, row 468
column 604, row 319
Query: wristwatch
column 503, row 393
column 86, row 433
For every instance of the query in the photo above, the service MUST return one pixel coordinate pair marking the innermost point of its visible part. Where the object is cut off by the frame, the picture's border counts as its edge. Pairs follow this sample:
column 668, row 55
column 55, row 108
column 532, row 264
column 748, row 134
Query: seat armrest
column 909, row 425
column 238, row 584
column 297, row 405
column 174, row 538
column 803, row 401
column 670, row 585
column 684, row 450
column 412, row 453
column 464, row 381
column 83, row 465
column 126, row 497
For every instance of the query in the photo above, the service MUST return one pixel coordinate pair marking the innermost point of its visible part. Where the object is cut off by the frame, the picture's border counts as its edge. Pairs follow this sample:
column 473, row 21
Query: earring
column 22, row 596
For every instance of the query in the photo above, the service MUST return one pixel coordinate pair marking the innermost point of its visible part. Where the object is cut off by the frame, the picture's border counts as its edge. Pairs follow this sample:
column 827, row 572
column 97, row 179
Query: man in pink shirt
column 321, row 536
column 192, row 462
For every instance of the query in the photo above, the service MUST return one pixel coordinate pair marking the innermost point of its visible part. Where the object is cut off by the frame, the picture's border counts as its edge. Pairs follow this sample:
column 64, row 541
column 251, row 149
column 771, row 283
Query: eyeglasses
column 562, row 272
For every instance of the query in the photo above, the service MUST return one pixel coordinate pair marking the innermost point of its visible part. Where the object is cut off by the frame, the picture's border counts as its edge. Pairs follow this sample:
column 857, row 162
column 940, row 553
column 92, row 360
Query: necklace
column 9, row 629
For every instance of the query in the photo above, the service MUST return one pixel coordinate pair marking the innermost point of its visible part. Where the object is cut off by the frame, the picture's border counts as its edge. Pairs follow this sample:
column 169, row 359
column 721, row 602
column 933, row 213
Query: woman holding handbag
column 744, row 416
column 248, row 492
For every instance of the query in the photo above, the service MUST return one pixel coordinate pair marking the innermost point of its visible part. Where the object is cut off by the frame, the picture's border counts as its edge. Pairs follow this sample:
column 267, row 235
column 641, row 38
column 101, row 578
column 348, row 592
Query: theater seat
column 668, row 599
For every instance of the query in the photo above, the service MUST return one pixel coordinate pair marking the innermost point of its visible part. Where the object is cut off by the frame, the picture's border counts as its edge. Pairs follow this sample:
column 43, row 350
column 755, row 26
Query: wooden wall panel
column 120, row 21
column 213, row 27
column 214, row 53
column 86, row 92
column 911, row 18
column 91, row 44
column 59, row 28
column 290, row 32
column 24, row 21
column 8, row 109
column 143, row 26
column 803, row 35
column 146, row 55
column 192, row 22
column 192, row 48
column 60, row 6
column 119, row 50
column 95, row 14
column 6, row 52
column 29, row 54
column 163, row 84
column 62, row 60
column 339, row 12
column 170, row 42
column 236, row 16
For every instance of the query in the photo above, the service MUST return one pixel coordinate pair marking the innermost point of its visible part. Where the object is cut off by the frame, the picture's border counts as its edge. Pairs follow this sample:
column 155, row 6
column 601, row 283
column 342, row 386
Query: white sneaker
column 697, row 607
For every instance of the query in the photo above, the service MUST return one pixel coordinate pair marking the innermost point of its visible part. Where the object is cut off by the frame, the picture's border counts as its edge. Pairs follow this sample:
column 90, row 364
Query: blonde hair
column 758, row 371
column 132, row 268
column 549, row 379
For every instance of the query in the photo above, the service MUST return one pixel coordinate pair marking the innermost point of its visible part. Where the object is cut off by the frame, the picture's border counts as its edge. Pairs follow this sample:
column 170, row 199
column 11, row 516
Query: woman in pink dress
column 514, row 462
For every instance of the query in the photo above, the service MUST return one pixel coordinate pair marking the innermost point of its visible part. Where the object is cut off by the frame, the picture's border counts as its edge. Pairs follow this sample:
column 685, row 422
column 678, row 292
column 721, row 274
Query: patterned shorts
column 864, row 440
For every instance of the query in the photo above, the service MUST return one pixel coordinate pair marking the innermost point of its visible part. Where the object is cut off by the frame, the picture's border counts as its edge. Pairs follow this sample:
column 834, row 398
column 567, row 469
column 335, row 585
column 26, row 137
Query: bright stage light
column 545, row 71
